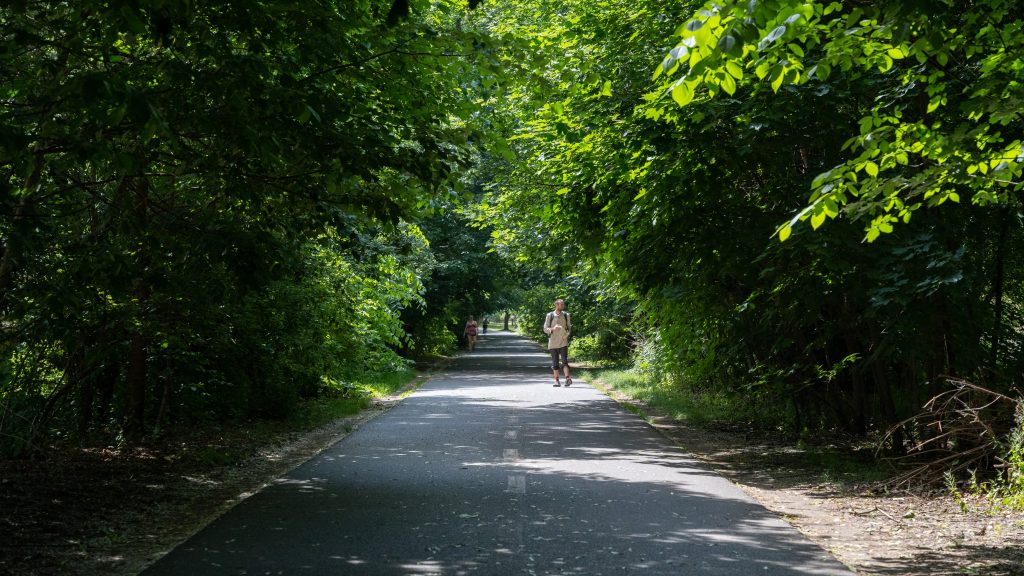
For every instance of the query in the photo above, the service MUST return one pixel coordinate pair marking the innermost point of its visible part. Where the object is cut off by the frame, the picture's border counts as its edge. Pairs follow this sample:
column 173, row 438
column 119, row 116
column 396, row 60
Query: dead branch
column 961, row 431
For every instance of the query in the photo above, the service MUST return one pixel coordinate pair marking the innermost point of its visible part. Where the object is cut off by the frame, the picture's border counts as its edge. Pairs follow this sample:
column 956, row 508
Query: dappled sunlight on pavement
column 488, row 469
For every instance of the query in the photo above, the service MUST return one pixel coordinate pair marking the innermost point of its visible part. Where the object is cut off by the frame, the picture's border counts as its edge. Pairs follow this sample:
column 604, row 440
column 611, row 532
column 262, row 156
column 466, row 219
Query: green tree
column 672, row 199
column 177, row 178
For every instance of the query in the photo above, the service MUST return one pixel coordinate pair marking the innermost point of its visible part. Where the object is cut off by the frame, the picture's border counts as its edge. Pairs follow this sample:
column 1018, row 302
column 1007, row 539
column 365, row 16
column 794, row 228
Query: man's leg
column 565, row 364
column 554, row 366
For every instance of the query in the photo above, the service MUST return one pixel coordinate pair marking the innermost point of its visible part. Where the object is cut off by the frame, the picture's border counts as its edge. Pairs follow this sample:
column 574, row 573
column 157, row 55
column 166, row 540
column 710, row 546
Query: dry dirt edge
column 262, row 469
column 900, row 534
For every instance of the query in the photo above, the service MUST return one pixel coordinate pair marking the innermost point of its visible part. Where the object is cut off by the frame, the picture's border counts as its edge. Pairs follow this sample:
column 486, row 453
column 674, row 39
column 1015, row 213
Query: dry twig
column 957, row 431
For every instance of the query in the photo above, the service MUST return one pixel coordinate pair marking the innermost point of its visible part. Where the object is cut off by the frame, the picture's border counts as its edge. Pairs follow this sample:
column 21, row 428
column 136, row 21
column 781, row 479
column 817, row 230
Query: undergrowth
column 705, row 407
column 1006, row 489
column 717, row 410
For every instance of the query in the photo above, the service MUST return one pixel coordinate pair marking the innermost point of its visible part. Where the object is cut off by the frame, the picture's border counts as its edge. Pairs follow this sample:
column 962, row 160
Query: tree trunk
column 506, row 320
column 105, row 385
column 82, row 374
column 858, row 387
column 889, row 408
column 997, row 287
column 136, row 373
column 135, row 389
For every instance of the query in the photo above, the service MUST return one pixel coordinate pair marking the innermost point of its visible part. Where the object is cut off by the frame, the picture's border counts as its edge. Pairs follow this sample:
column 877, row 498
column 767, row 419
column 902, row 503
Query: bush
column 433, row 338
column 1011, row 486
column 585, row 348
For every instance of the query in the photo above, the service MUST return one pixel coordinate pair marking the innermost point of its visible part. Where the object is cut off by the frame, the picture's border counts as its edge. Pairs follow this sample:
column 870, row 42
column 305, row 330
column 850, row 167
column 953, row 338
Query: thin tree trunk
column 997, row 287
column 889, row 408
column 135, row 388
column 86, row 389
column 136, row 374
column 105, row 385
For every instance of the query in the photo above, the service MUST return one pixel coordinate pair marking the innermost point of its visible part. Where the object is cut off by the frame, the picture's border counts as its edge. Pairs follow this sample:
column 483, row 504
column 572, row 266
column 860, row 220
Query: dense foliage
column 668, row 175
column 208, row 209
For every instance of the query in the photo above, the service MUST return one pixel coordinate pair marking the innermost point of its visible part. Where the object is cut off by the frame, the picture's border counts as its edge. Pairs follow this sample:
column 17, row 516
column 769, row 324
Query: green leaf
column 728, row 84
column 778, row 76
column 817, row 219
column 682, row 93
column 830, row 207
column 771, row 37
column 727, row 44
column 871, row 168
column 606, row 89
column 785, row 232
column 734, row 69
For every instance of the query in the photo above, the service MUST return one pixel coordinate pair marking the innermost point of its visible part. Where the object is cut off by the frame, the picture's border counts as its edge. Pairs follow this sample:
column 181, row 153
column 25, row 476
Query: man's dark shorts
column 559, row 354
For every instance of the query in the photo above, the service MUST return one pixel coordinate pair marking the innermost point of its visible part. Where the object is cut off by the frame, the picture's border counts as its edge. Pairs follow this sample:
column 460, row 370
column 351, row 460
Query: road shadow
column 488, row 470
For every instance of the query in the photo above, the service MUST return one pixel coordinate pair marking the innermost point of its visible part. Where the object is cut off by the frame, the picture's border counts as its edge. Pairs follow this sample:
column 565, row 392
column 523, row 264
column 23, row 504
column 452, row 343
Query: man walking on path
column 558, row 326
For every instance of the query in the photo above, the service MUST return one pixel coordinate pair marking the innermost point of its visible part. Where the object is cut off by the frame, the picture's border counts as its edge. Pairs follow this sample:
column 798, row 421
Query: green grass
column 382, row 385
column 831, row 464
column 319, row 411
column 679, row 403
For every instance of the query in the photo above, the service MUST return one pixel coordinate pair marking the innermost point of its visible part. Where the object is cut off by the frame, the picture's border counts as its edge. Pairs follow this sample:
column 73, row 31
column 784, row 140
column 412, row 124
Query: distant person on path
column 485, row 324
column 470, row 332
column 558, row 326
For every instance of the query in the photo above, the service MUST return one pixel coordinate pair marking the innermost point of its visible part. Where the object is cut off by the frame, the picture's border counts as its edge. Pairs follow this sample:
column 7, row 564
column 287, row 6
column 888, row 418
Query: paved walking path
column 488, row 469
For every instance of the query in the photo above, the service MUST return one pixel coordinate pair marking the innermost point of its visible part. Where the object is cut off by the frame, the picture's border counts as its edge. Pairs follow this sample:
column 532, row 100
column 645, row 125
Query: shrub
column 585, row 348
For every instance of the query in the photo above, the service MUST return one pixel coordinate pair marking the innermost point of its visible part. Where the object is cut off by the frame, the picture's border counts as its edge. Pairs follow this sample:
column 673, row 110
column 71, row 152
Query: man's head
column 559, row 305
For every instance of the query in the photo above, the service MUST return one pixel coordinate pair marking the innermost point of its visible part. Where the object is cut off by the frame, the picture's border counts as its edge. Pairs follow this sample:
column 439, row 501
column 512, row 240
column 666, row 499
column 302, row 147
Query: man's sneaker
column 557, row 384
column 568, row 382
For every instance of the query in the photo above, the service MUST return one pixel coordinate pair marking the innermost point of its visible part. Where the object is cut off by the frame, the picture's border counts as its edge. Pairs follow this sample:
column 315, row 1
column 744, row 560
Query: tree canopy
column 662, row 151
column 211, row 210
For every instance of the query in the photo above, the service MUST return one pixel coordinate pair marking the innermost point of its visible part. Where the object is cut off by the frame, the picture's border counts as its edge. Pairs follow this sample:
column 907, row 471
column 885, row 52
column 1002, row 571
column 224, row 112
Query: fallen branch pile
column 960, row 431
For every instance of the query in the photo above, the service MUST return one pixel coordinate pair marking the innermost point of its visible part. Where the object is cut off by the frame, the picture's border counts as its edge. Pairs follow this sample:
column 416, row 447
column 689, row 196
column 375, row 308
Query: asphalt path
column 488, row 469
